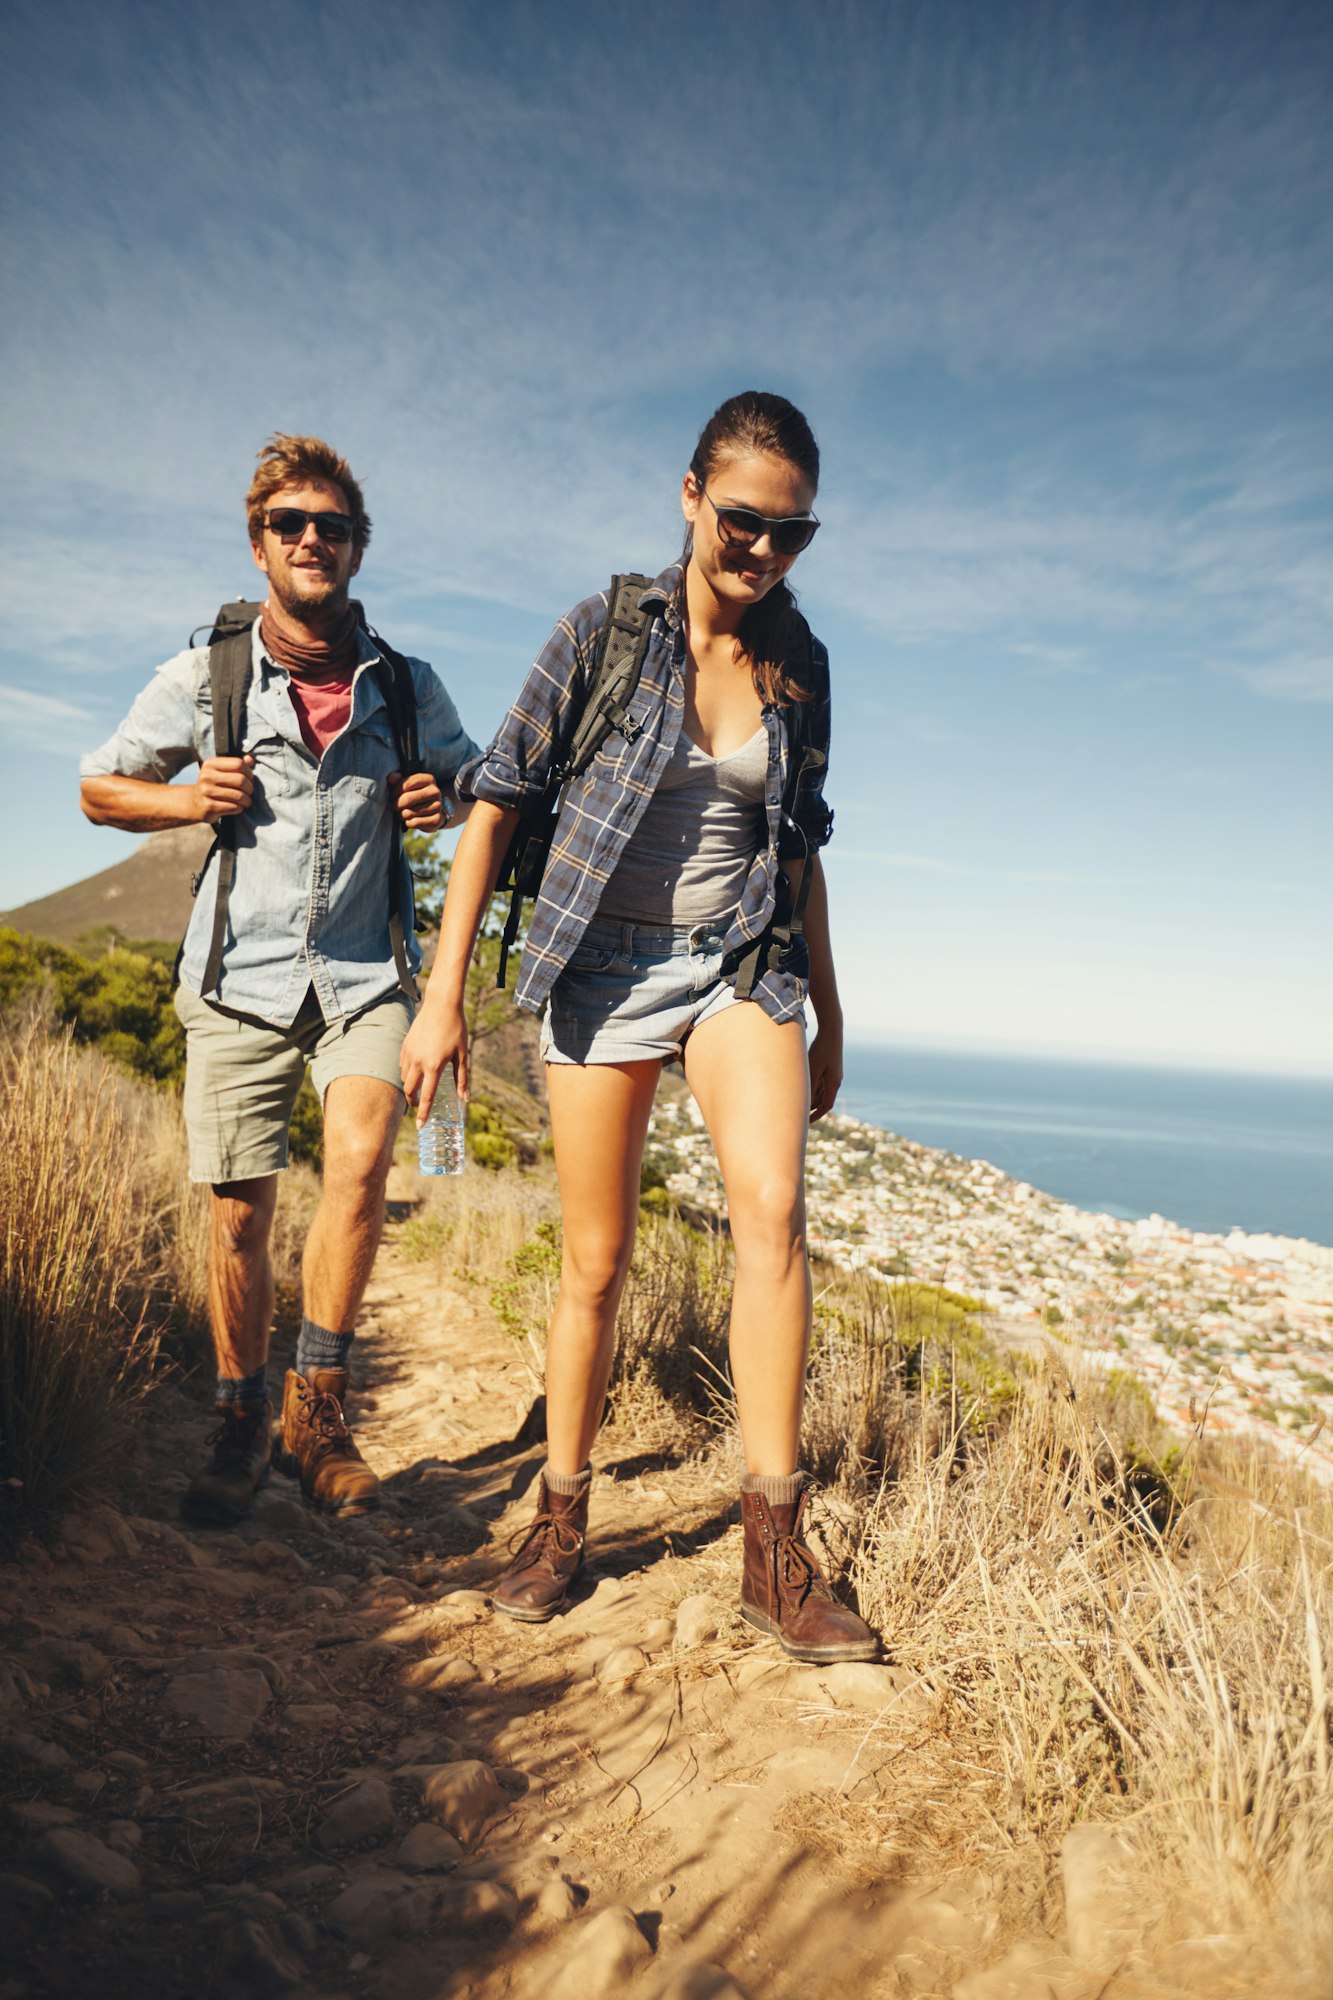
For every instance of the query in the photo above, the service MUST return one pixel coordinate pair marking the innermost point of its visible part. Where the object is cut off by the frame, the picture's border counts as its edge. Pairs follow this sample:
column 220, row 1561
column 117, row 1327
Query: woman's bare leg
column 752, row 1081
column 599, row 1121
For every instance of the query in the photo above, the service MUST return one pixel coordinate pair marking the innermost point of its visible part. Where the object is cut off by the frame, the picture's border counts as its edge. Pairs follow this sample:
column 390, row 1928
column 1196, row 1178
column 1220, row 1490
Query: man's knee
column 243, row 1215
column 356, row 1163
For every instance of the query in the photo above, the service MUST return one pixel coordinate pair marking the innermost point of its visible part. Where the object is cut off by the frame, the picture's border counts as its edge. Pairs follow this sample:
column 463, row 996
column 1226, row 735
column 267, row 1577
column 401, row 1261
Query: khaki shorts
column 242, row 1076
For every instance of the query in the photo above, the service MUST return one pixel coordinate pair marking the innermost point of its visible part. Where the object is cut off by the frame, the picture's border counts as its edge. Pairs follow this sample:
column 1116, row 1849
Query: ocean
column 1210, row 1149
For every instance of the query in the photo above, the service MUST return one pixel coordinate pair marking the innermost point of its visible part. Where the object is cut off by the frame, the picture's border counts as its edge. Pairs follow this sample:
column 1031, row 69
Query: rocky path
column 306, row 1758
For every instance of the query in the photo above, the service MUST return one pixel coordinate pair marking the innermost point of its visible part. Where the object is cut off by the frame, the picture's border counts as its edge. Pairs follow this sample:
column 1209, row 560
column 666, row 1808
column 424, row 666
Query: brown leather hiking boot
column 785, row 1593
column 223, row 1492
column 536, row 1583
column 316, row 1447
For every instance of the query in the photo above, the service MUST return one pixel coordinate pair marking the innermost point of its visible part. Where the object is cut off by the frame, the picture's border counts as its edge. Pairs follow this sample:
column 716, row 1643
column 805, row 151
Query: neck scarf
column 291, row 645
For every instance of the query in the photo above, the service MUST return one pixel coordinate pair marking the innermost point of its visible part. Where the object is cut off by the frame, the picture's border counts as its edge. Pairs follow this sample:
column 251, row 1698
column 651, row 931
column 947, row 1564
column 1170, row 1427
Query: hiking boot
column 223, row 1492
column 785, row 1593
column 316, row 1447
column 550, row 1556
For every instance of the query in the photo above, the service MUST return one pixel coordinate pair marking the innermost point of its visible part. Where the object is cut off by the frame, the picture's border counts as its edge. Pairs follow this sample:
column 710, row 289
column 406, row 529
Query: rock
column 198, row 1556
column 556, row 1903
column 69, row 1660
column 287, row 1516
column 222, row 1702
column 698, row 1620
column 861, row 1684
column 99, row 1534
column 298, row 1931
column 379, row 1906
column 88, row 1784
column 1100, row 1925
column 279, row 1558
column 702, row 1982
column 466, row 1606
column 463, row 1797
column 657, row 1634
column 126, row 1763
column 125, row 1835
column 20, row 1894
column 314, row 1715
column 1032, row 1970
column 124, row 1640
column 427, row 1746
column 361, row 1814
column 252, row 1957
column 472, row 1906
column 41, row 1813
column 605, row 1953
column 37, row 1751
column 428, row 1850
column 175, row 1906
column 85, row 1864
column 611, row 1590
column 318, row 1597
column 621, row 1665
column 436, row 1675
column 307, row 1880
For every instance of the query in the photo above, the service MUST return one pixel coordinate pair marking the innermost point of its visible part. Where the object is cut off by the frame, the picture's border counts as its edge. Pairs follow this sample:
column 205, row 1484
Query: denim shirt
column 600, row 810
column 310, row 899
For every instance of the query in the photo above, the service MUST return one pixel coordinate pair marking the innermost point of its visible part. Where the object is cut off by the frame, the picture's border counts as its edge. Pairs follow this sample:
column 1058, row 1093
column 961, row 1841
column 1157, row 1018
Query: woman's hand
column 435, row 1042
column 825, row 1071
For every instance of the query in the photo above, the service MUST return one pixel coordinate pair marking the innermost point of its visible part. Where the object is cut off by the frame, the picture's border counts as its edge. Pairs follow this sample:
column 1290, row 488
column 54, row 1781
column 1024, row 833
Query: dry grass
column 104, row 1259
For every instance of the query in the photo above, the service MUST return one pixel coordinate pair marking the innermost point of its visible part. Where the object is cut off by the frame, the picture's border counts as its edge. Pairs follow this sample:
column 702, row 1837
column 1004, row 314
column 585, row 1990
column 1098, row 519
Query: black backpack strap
column 804, row 756
column 617, row 668
column 393, row 677
column 229, row 668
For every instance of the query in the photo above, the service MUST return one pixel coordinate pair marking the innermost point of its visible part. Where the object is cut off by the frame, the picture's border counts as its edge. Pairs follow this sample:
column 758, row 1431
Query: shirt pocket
column 273, row 772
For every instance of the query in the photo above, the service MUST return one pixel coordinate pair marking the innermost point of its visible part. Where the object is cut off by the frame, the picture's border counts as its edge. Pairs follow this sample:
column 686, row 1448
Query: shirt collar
column 665, row 590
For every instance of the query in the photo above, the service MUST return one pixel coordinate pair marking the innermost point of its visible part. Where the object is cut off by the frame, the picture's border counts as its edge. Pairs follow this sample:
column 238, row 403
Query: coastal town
column 1234, row 1331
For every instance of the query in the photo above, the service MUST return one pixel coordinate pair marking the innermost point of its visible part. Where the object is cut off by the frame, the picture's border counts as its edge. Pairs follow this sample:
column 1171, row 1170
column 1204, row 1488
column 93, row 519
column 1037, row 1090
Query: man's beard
column 313, row 610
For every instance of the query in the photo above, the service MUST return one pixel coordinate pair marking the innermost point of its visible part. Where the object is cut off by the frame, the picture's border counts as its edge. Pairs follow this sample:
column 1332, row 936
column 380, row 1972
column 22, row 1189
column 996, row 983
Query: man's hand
column 435, row 1042
column 419, row 801
column 224, row 785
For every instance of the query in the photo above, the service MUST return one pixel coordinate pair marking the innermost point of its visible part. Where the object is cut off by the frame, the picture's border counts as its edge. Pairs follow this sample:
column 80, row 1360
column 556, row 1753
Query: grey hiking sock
column 244, row 1392
column 568, row 1484
column 318, row 1348
column 782, row 1491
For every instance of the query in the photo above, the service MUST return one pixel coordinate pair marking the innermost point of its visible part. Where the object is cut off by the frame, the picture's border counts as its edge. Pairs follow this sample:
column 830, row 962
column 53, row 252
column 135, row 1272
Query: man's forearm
column 138, row 805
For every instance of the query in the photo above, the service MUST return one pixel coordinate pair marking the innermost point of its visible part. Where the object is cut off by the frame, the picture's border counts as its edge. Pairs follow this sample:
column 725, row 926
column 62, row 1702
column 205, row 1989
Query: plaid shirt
column 600, row 810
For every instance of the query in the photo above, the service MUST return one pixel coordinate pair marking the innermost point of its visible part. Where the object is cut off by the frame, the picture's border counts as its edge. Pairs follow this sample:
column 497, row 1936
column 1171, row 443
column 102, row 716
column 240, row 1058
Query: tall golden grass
column 104, row 1260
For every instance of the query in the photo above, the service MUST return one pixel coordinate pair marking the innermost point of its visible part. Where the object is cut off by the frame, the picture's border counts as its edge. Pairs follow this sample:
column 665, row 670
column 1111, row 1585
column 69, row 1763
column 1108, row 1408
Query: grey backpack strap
column 229, row 668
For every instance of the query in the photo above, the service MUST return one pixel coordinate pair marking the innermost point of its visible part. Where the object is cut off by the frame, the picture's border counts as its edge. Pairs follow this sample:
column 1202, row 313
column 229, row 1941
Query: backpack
column 617, row 666
column 229, row 673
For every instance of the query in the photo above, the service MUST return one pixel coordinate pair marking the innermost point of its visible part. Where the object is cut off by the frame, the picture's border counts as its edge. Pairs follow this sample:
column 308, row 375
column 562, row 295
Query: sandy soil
column 306, row 1757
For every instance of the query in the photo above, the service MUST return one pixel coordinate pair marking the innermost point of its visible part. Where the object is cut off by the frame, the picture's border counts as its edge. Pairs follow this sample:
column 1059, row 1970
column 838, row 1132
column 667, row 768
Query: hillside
column 144, row 898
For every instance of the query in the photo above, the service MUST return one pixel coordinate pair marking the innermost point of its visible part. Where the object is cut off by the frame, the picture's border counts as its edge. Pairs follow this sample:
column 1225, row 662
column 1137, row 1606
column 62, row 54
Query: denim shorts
column 634, row 992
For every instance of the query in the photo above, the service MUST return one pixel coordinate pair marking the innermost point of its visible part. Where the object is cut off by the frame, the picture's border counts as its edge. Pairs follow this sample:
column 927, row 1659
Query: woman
column 663, row 928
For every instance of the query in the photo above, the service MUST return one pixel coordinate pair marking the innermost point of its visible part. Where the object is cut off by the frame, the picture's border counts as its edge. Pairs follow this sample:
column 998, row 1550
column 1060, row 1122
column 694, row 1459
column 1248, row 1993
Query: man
column 296, row 963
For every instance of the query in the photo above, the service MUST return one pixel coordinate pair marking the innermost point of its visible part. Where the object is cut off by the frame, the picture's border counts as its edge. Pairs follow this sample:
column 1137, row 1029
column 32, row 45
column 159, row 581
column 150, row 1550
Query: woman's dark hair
column 747, row 426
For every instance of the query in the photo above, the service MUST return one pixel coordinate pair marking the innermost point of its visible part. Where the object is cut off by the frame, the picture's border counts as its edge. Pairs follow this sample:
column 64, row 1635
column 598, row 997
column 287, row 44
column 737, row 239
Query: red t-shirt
column 322, row 708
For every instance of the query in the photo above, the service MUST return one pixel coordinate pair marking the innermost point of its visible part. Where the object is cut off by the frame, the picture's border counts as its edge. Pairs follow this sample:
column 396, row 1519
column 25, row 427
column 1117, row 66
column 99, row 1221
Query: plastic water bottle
column 440, row 1139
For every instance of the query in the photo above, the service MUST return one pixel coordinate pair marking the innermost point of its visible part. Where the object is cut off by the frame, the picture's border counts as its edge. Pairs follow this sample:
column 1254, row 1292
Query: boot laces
column 234, row 1439
column 324, row 1414
column 797, row 1571
column 551, row 1536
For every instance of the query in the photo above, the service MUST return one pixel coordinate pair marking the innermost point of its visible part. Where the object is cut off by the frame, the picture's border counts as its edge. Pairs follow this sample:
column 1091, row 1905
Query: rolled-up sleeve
column 157, row 738
column 445, row 745
column 516, row 769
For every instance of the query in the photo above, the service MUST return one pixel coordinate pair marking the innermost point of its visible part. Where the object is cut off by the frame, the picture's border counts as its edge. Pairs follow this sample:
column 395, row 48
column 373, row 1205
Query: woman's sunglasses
column 741, row 527
column 290, row 523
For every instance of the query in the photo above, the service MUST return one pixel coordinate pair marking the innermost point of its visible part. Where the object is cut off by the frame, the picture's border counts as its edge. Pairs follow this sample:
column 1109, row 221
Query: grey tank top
column 688, row 857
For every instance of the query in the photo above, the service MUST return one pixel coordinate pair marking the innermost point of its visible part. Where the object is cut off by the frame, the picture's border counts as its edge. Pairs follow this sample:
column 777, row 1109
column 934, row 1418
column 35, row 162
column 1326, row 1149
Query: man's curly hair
column 297, row 461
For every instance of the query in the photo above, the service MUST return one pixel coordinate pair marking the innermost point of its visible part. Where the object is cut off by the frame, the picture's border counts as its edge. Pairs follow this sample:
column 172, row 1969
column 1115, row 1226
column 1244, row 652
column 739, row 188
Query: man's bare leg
column 361, row 1120
column 240, row 1310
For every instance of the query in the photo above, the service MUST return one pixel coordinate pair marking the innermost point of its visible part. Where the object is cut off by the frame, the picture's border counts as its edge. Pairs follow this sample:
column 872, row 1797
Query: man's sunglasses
column 741, row 527
column 290, row 523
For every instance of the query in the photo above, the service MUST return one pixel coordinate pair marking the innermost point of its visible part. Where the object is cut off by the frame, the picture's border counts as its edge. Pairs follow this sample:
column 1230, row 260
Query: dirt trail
column 302, row 1757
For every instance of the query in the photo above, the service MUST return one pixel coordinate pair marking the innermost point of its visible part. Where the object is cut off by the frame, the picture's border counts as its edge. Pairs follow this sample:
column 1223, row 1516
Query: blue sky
column 1053, row 283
